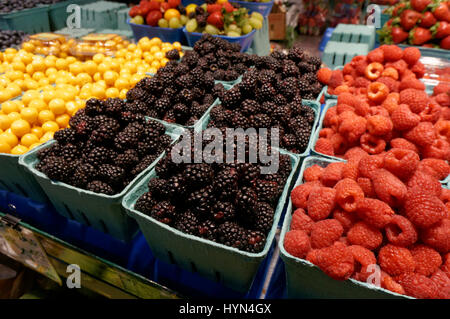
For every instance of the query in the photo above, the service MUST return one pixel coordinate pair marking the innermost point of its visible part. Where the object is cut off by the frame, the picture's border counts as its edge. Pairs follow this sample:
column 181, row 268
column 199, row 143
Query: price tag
column 21, row 245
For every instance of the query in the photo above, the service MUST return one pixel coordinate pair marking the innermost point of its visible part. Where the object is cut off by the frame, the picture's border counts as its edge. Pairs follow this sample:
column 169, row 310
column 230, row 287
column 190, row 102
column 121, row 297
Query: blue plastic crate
column 245, row 41
column 262, row 7
column 165, row 34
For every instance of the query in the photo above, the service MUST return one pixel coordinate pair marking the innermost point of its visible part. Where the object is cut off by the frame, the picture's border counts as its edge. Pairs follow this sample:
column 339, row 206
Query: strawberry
column 427, row 20
column 418, row 36
column 411, row 55
column 409, row 18
column 146, row 7
column 445, row 43
column 154, row 5
column 399, row 35
column 228, row 7
column 420, row 5
column 216, row 19
column 440, row 30
column 213, row 8
column 174, row 3
column 153, row 17
column 398, row 9
column 441, row 12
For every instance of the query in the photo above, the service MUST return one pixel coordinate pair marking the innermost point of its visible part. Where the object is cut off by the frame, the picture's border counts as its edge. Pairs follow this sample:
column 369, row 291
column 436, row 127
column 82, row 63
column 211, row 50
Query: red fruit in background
column 427, row 20
column 440, row 30
column 228, row 7
column 165, row 6
column 420, row 5
column 174, row 3
column 441, row 12
column 154, row 5
column 398, row 9
column 399, row 35
column 445, row 43
column 146, row 7
column 216, row 19
column 213, row 8
column 135, row 11
column 153, row 17
column 409, row 18
column 419, row 36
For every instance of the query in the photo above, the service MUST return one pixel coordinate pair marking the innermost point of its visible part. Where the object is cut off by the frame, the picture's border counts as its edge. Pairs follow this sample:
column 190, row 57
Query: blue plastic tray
column 245, row 41
column 165, row 34
column 262, row 7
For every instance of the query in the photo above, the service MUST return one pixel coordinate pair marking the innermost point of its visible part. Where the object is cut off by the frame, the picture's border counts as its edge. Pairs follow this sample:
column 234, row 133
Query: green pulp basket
column 100, row 15
column 229, row 266
column 305, row 280
column 102, row 212
column 31, row 21
column 58, row 14
column 122, row 17
column 354, row 33
column 339, row 53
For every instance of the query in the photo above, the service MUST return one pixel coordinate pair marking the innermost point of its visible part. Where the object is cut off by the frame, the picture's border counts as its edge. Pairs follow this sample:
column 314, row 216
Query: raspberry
column 363, row 258
column 411, row 55
column 391, row 84
column 297, row 243
column 418, row 69
column 427, row 260
column 343, row 240
column 355, row 154
column 417, row 100
column 440, row 168
column 352, row 127
column 321, row 202
column 387, row 282
column 424, row 210
column 365, row 235
column 301, row 221
column 350, row 170
column 422, row 135
column 438, row 236
column 400, row 162
column 373, row 71
column 442, row 87
column 401, row 232
column 330, row 117
column 443, row 283
column 369, row 164
column 395, row 260
column 440, row 149
column 411, row 83
column 392, row 52
column 377, row 92
column 442, row 129
column 401, row 66
column 446, row 264
column 403, row 144
column 445, row 113
column 348, row 69
column 376, row 55
column 367, row 186
column 378, row 110
column 341, row 108
column 332, row 174
column 325, row 232
column 443, row 99
column 361, row 82
column 300, row 194
column 360, row 66
column 379, row 125
column 418, row 286
column 324, row 75
column 347, row 98
column 336, row 79
column 348, row 193
column 372, row 144
column 346, row 219
column 312, row 173
column 336, row 261
column 339, row 144
column 324, row 146
column 403, row 119
column 374, row 212
column 391, row 102
column 389, row 188
column 431, row 113
column 425, row 183
column 326, row 133
column 390, row 72
column 445, row 195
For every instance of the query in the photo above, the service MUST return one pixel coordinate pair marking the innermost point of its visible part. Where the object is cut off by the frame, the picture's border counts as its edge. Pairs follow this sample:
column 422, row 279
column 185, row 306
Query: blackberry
column 309, row 96
column 102, row 135
column 186, row 96
column 232, row 235
column 219, row 75
column 231, row 75
column 239, row 120
column 303, row 86
column 278, row 54
column 145, row 203
column 170, row 117
column 208, row 230
column 245, row 201
column 201, row 19
column 249, row 107
column 296, row 54
column 310, row 78
column 316, row 88
column 297, row 123
column 248, row 85
column 82, row 124
column 129, row 137
column 231, row 98
column 67, row 135
column 166, row 167
column 167, row 79
column 150, row 85
column 282, row 113
column 266, row 92
column 94, row 107
column 83, row 174
column 305, row 67
column 198, row 76
column 163, row 212
column 69, row 152
column 145, row 162
column 138, row 106
column 247, row 173
column 240, row 68
column 297, row 100
column 173, row 54
column 188, row 223
column 226, row 183
column 264, row 220
column 176, row 187
column 260, row 121
column 284, row 168
column 223, row 211
column 184, row 81
column 113, row 175
column 219, row 91
column 267, row 191
column 136, row 94
column 100, row 187
column 267, row 107
column 201, row 201
column 158, row 188
column 113, row 106
column 289, row 141
column 162, row 105
column 154, row 129
column 208, row 99
column 279, row 100
column 254, row 241
column 315, row 61
column 208, row 82
column 289, row 87
column 181, row 112
column 290, row 70
column 198, row 174
column 303, row 136
column 56, row 168
column 267, row 76
column 181, row 69
column 99, row 155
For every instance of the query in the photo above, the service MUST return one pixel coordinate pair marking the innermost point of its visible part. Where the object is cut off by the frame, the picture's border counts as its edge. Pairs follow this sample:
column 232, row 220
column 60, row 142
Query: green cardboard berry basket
column 229, row 266
column 305, row 280
column 100, row 211
column 33, row 20
column 331, row 103
column 100, row 15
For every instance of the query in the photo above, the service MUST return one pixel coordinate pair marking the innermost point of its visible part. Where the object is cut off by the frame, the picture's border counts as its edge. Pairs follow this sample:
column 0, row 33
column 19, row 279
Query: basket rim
column 151, row 27
column 131, row 211
column 245, row 36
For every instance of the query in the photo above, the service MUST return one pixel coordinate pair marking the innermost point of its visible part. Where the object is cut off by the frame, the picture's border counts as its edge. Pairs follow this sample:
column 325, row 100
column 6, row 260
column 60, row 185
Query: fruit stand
column 164, row 150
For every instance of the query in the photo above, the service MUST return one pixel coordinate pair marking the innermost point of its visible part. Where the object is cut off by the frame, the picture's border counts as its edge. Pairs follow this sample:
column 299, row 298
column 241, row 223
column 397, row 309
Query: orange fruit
column 5, row 122
column 50, row 126
column 29, row 139
column 57, row 106
column 9, row 138
column 9, row 106
column 46, row 137
column 20, row 127
column 37, row 130
column 63, row 120
column 29, row 114
column 45, row 115
column 19, row 150
column 4, row 147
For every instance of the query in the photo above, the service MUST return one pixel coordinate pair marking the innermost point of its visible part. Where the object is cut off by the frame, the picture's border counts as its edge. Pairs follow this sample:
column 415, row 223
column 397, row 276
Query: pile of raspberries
column 388, row 210
column 381, row 105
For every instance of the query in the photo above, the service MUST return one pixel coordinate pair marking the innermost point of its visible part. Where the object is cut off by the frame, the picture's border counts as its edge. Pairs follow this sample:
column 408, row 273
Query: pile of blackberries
column 7, row 6
column 229, row 203
column 104, row 149
column 10, row 38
